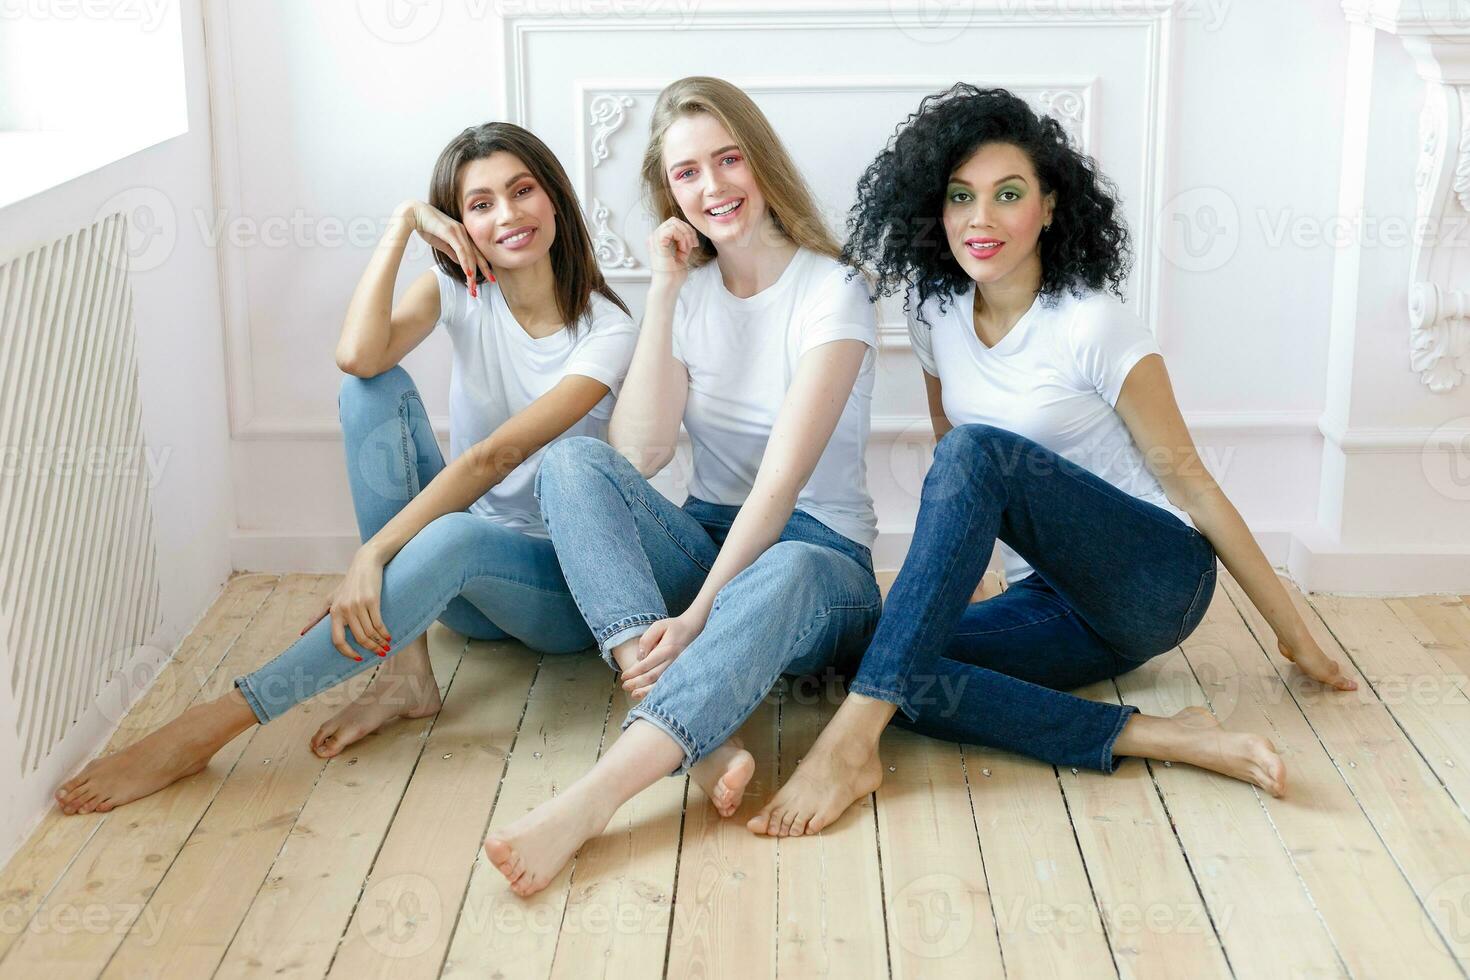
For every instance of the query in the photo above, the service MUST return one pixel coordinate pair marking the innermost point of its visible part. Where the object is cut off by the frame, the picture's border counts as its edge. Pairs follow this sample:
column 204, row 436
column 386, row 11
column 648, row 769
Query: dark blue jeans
column 1117, row 580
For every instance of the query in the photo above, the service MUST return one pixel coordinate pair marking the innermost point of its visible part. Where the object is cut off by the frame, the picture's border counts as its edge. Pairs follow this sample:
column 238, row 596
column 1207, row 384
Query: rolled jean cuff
column 881, row 694
column 1109, row 762
column 671, row 728
column 242, row 684
column 624, row 630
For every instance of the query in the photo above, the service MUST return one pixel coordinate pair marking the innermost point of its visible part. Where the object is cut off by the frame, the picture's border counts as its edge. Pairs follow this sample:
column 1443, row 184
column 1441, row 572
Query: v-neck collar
column 1006, row 343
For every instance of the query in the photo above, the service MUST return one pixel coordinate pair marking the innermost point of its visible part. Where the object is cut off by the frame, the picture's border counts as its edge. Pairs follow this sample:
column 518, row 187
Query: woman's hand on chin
column 669, row 248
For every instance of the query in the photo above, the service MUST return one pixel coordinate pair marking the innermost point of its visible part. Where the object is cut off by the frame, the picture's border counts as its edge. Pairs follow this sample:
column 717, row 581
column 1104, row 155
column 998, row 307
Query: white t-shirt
column 499, row 369
column 742, row 353
column 1054, row 378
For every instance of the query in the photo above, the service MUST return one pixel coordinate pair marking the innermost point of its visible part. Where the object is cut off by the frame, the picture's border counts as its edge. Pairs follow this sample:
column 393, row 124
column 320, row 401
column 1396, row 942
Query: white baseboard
column 1318, row 563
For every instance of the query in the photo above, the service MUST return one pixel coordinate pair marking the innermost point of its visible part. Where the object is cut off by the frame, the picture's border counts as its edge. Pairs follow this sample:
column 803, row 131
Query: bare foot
column 181, row 748
column 532, row 851
column 1195, row 736
column 833, row 776
column 723, row 775
column 403, row 688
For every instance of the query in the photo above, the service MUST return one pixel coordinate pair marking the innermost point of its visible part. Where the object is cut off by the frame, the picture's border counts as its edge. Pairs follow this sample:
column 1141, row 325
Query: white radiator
column 78, row 564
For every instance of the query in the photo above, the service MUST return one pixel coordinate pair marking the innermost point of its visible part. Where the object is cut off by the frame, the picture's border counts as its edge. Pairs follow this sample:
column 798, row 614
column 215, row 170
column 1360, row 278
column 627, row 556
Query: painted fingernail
column 358, row 659
column 492, row 278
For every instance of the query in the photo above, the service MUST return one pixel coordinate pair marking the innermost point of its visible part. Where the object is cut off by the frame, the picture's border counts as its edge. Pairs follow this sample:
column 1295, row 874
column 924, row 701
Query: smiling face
column 994, row 211
column 711, row 181
column 506, row 211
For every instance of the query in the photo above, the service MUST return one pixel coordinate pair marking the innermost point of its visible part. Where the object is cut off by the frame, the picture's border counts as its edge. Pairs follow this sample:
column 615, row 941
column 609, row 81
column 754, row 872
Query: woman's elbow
column 350, row 362
column 648, row 462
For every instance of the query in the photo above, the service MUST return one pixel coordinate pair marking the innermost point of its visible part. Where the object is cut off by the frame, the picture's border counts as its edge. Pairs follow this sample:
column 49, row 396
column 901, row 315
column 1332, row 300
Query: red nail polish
column 382, row 653
column 492, row 278
column 358, row 659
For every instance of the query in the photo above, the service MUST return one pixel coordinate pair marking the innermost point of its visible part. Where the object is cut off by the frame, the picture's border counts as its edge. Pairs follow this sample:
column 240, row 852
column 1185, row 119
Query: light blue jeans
column 632, row 557
column 480, row 579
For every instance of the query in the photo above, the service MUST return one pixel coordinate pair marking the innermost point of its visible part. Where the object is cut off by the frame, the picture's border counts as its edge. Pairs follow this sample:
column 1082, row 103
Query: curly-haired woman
column 1058, row 435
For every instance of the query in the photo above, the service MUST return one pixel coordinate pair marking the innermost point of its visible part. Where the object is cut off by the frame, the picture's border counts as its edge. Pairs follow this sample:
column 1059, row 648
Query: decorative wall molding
column 1439, row 331
column 1411, row 18
column 1436, row 33
column 234, row 303
column 1153, row 17
column 611, row 251
column 606, row 114
column 1416, row 441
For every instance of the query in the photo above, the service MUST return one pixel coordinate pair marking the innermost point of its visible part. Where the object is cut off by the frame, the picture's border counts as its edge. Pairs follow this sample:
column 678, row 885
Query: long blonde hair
column 788, row 198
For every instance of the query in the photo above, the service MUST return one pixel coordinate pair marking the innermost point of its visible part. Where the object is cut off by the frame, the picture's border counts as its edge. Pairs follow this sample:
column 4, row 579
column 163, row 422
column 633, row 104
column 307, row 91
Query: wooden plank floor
column 968, row 862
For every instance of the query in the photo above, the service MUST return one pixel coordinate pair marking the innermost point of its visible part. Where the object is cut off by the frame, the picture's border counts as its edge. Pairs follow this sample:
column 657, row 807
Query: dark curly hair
column 896, row 226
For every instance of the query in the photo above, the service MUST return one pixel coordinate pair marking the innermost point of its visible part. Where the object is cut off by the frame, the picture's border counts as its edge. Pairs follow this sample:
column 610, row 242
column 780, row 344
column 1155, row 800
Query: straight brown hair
column 573, row 259
column 792, row 206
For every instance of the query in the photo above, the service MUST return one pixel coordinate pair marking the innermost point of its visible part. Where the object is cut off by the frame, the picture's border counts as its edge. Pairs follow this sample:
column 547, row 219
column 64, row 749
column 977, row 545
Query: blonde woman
column 763, row 344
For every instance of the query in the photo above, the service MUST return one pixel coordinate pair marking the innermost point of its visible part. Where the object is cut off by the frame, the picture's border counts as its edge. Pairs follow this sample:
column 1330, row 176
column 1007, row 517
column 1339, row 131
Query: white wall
column 335, row 114
column 181, row 381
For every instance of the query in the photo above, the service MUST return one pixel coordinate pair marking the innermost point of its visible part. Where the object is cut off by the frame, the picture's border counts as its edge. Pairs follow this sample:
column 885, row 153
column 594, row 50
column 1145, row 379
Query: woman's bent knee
column 391, row 381
column 566, row 460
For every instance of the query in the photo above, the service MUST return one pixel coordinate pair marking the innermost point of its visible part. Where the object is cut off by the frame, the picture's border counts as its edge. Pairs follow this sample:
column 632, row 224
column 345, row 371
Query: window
column 84, row 83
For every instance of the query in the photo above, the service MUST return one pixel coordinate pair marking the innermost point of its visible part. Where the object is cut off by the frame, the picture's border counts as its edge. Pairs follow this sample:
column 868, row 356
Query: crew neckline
column 764, row 295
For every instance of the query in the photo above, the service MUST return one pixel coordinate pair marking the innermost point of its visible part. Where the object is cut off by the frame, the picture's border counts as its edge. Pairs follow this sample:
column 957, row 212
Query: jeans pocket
column 1203, row 593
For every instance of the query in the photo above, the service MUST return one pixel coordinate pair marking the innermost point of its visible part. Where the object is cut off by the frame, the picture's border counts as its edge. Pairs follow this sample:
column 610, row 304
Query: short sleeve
column 453, row 300
column 1107, row 341
column 921, row 338
column 841, row 311
column 604, row 344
